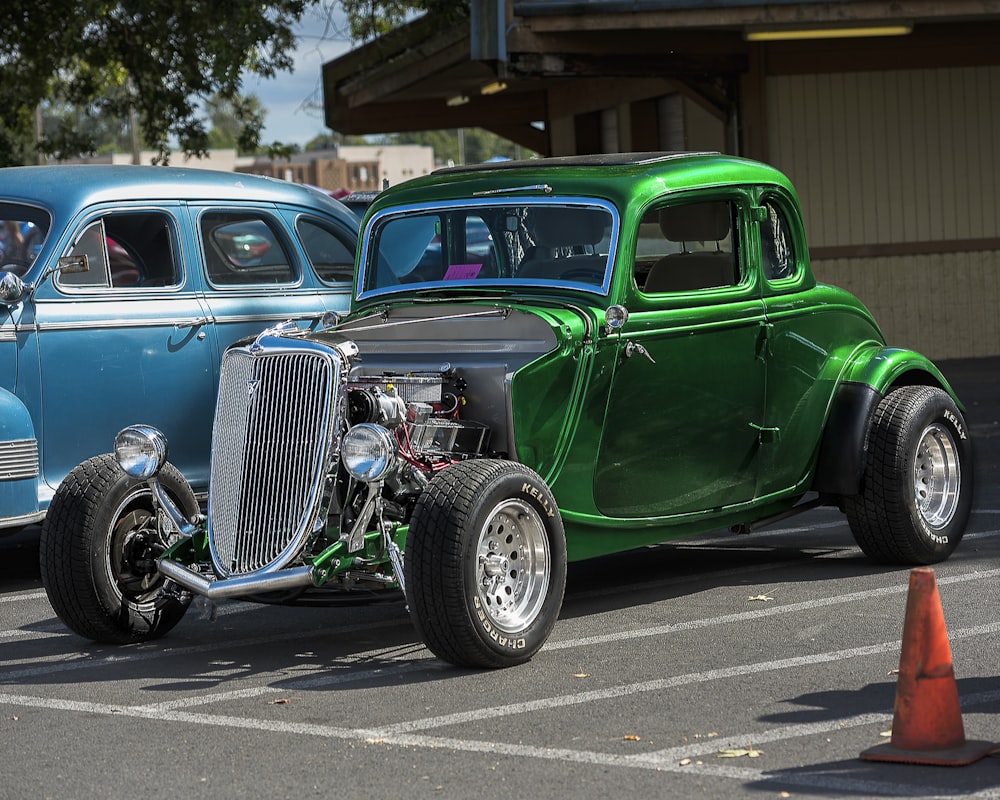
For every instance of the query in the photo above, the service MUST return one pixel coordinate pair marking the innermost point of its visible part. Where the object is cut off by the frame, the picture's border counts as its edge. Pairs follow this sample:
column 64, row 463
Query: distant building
column 397, row 162
column 323, row 168
column 223, row 159
column 352, row 168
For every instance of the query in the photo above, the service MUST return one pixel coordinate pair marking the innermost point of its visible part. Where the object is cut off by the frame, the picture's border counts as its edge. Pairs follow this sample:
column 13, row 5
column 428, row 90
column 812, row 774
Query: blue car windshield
column 562, row 243
column 22, row 231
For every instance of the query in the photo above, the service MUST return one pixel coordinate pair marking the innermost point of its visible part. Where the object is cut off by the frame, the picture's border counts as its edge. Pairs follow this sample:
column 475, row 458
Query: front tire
column 485, row 564
column 98, row 550
column 916, row 491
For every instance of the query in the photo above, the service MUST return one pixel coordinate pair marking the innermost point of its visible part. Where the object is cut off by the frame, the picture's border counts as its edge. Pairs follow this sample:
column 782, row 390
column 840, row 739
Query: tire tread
column 438, row 605
column 879, row 516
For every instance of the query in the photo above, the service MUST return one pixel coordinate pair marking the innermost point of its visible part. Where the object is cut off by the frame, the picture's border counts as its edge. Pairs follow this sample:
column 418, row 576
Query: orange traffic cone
column 927, row 721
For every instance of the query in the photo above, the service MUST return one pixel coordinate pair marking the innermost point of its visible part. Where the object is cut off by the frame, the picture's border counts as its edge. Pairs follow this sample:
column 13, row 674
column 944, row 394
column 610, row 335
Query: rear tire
column 916, row 492
column 485, row 564
column 98, row 550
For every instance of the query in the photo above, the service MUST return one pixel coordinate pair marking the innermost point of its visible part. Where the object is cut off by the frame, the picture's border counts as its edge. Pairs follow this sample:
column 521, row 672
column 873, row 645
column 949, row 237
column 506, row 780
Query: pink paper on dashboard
column 462, row 272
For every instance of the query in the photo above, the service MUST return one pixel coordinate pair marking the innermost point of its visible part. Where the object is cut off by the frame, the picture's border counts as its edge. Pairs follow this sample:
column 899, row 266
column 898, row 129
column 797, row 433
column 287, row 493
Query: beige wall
column 898, row 172
column 943, row 305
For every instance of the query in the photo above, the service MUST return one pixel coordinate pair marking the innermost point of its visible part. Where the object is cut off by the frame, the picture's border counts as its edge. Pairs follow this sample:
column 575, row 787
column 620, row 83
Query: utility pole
column 38, row 134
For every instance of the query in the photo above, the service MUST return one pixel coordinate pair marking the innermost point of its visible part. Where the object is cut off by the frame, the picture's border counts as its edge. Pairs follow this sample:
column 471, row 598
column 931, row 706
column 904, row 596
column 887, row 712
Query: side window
column 331, row 257
column 126, row 250
column 244, row 249
column 777, row 253
column 686, row 248
column 91, row 243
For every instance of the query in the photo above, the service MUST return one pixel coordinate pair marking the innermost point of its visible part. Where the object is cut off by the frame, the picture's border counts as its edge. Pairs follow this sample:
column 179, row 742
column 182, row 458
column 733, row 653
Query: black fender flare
column 841, row 462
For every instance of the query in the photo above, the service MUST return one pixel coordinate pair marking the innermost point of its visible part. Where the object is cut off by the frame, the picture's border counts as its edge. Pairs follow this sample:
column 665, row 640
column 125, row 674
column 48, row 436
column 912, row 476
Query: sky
column 294, row 100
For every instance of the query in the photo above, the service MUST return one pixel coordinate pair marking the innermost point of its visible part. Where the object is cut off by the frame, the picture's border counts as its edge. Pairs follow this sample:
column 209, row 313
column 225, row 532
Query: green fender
column 884, row 368
column 869, row 375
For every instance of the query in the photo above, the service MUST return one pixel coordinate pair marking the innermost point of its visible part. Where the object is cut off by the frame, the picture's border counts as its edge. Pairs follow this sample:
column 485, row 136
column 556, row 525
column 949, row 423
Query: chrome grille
column 18, row 460
column 270, row 448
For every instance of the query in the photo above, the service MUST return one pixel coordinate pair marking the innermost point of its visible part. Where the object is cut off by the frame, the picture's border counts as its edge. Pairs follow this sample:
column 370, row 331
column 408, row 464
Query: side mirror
column 71, row 264
column 67, row 264
column 12, row 289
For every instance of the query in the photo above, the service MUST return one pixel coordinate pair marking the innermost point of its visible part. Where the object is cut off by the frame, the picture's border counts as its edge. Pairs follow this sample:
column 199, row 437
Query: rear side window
column 777, row 252
column 124, row 251
column 688, row 248
column 244, row 249
column 332, row 257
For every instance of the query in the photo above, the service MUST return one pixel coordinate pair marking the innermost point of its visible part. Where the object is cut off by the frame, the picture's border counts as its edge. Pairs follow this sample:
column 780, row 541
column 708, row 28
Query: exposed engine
column 422, row 411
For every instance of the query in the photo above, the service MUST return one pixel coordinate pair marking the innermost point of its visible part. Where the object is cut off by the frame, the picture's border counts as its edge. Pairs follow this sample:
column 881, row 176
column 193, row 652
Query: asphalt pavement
column 716, row 667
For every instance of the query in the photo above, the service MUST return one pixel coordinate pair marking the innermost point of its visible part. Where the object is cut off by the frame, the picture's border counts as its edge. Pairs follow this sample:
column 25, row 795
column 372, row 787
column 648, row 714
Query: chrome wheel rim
column 937, row 476
column 134, row 543
column 513, row 564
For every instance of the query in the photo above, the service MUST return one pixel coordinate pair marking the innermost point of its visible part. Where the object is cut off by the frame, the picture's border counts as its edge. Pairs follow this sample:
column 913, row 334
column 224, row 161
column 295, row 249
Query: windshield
column 22, row 231
column 499, row 243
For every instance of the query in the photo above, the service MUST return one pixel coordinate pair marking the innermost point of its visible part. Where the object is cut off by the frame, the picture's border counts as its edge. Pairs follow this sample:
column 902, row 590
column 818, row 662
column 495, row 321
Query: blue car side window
column 124, row 251
column 91, row 243
column 331, row 257
column 244, row 249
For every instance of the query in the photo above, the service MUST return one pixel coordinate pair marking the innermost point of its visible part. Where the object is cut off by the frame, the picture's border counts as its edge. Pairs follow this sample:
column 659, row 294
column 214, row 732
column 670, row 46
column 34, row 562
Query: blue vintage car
column 120, row 288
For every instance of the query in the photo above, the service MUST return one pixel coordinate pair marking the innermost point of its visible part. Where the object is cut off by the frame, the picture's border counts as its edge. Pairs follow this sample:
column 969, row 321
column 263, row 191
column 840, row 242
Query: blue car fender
column 18, row 465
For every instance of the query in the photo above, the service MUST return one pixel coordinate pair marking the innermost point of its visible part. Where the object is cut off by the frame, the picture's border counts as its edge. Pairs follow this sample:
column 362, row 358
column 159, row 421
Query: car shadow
column 669, row 571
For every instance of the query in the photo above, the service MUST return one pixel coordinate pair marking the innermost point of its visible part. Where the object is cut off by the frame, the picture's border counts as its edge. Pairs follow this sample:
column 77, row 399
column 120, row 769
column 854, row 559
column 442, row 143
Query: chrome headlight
column 141, row 451
column 368, row 452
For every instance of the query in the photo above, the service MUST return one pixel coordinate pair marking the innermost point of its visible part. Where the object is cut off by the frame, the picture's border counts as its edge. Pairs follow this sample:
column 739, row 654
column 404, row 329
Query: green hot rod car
column 544, row 361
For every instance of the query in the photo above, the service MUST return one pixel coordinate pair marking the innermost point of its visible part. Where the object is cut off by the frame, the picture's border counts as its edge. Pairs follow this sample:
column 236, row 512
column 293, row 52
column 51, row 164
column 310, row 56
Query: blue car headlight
column 141, row 451
column 368, row 452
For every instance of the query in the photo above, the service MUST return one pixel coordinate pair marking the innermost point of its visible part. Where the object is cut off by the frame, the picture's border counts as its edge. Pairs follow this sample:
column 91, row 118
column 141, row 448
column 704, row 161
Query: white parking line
column 768, row 611
column 17, row 597
column 662, row 684
column 128, row 656
column 413, row 658
column 401, row 734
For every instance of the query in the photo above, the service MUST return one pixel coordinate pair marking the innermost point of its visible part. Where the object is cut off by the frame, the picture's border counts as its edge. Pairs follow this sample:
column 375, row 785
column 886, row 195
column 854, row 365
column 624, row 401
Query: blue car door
column 125, row 341
column 254, row 273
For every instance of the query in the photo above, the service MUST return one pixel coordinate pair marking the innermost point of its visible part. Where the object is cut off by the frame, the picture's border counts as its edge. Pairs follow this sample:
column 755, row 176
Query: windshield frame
column 477, row 285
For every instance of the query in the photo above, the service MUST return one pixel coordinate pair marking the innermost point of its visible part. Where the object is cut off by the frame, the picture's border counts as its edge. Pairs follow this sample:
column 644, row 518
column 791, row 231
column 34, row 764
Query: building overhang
column 517, row 64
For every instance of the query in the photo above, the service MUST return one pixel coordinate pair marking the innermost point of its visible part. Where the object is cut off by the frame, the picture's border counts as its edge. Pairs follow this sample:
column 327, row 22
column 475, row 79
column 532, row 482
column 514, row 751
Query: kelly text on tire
column 485, row 564
column 916, row 490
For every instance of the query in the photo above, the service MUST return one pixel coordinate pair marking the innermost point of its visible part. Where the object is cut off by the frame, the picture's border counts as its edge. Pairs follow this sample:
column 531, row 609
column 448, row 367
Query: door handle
column 634, row 347
column 195, row 322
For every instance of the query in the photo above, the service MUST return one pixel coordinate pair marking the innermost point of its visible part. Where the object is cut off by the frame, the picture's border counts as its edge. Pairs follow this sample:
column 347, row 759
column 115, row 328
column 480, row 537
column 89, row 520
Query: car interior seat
column 565, row 240
column 706, row 224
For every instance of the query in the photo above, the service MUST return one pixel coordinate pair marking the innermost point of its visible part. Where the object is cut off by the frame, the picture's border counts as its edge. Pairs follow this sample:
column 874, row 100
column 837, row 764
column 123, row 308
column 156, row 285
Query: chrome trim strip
column 8, row 334
column 312, row 314
column 82, row 325
column 18, row 522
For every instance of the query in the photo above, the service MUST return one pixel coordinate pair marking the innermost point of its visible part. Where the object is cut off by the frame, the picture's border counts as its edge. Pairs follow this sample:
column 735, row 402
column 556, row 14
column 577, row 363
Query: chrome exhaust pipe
column 235, row 587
